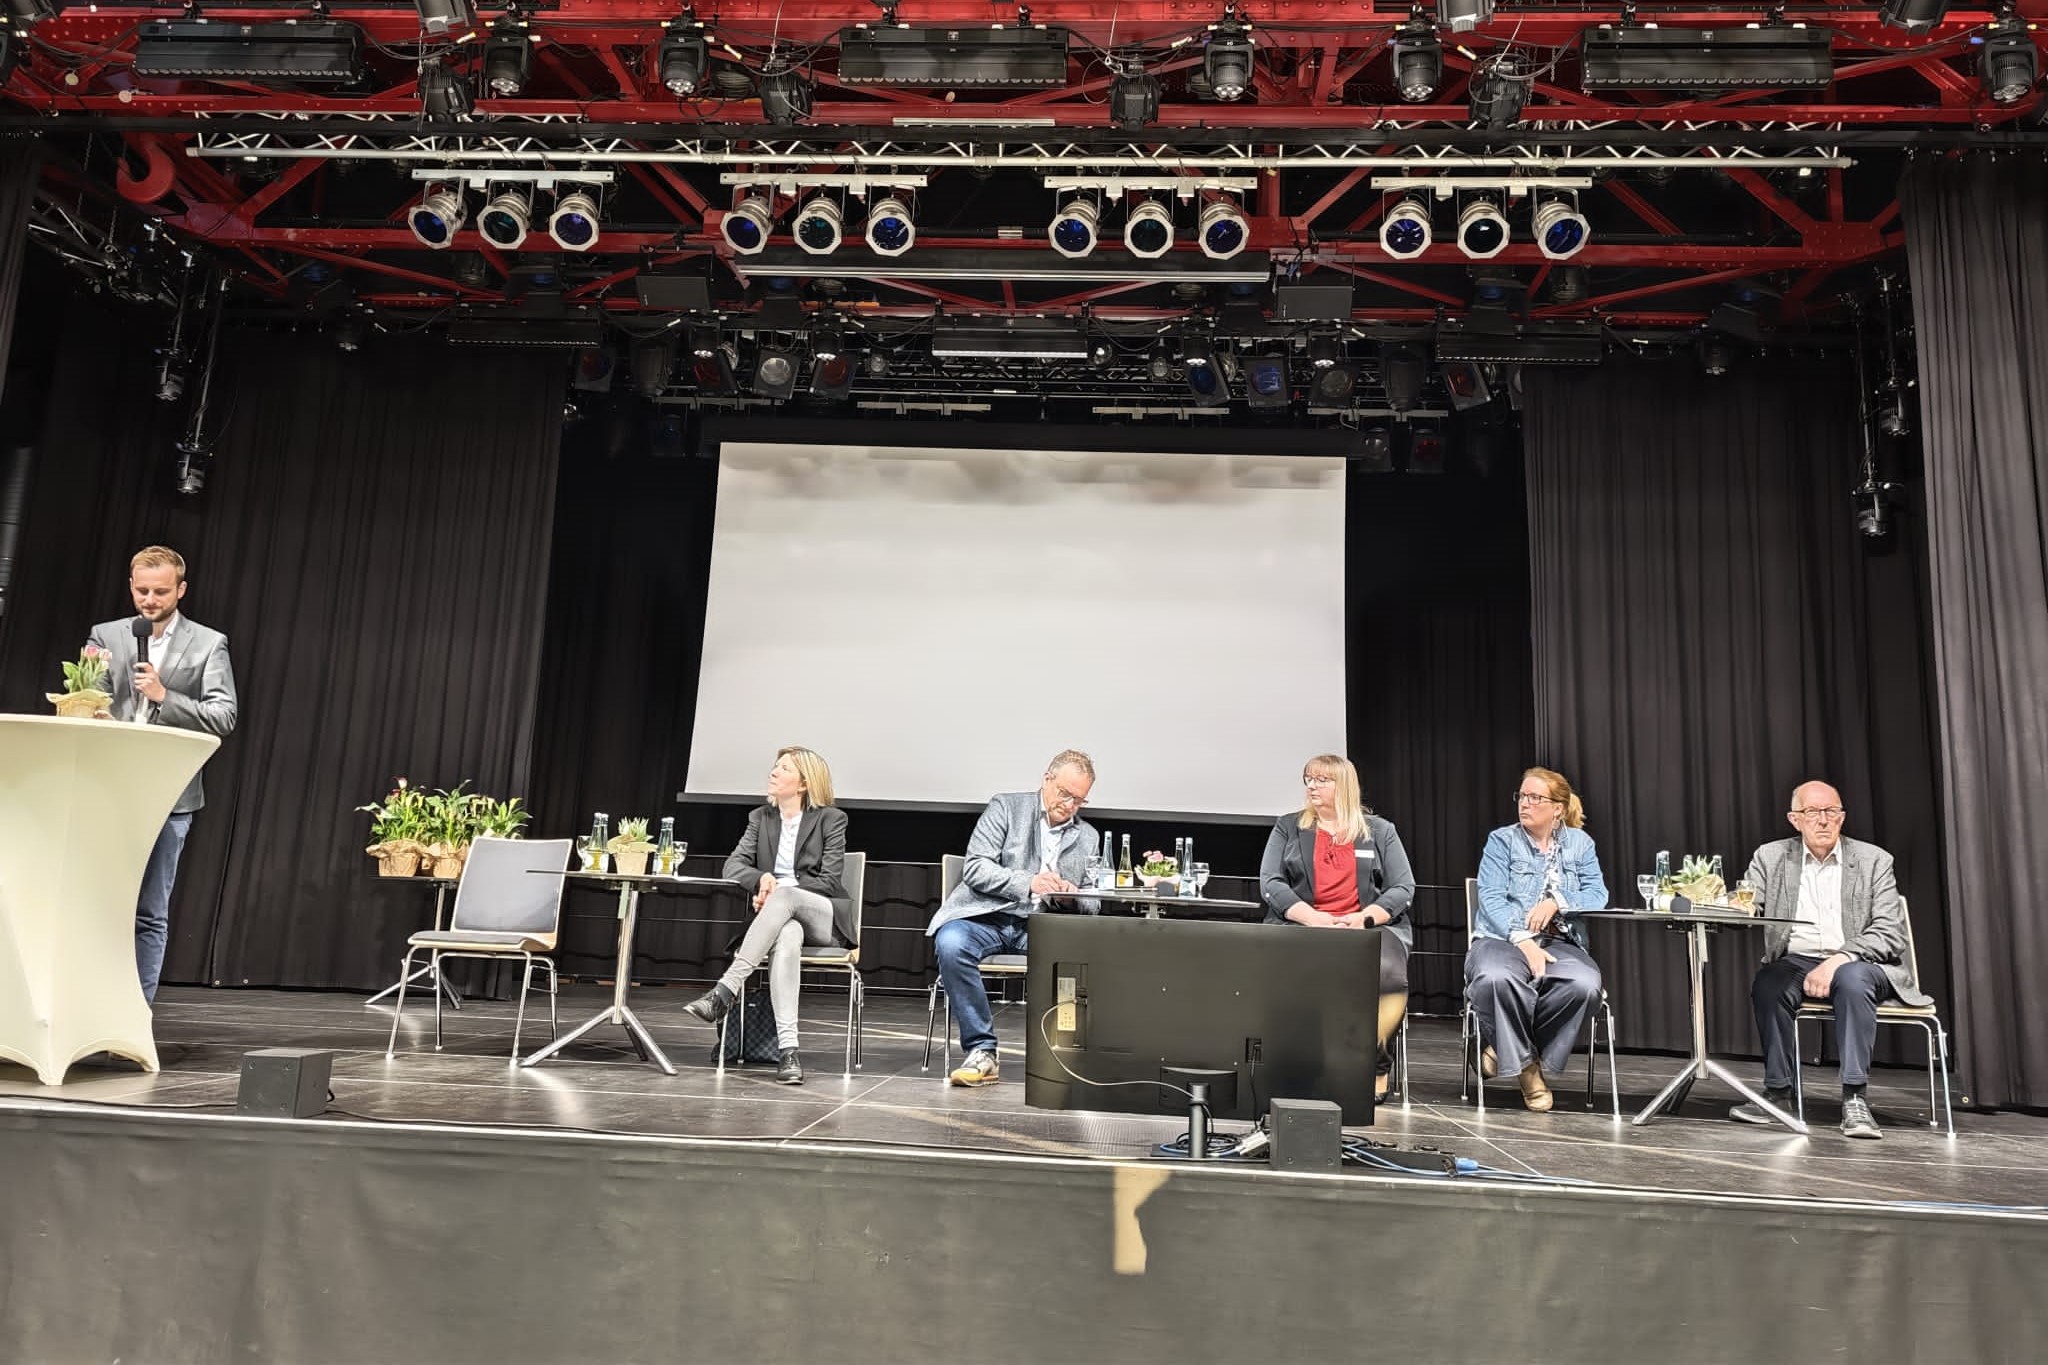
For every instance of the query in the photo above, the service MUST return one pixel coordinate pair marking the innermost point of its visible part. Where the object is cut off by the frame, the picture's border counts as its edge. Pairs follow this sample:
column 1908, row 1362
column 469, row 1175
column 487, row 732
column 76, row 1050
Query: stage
column 451, row 1207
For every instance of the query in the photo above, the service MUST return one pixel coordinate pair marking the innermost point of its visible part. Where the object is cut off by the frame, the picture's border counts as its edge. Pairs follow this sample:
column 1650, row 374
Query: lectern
column 81, row 802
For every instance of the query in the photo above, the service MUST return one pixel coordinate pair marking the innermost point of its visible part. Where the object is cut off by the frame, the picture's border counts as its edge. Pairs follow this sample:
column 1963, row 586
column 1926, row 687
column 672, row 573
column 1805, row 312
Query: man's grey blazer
column 199, row 684
column 1002, row 858
column 1873, row 916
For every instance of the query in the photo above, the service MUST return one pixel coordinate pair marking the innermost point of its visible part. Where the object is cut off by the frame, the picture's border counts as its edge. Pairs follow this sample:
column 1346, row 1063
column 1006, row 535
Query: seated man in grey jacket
column 1848, row 948
column 1029, row 850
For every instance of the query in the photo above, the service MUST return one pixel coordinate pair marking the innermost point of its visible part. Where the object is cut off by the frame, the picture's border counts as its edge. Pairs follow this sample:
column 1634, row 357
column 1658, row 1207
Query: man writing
column 1028, row 849
column 187, row 683
column 1848, row 947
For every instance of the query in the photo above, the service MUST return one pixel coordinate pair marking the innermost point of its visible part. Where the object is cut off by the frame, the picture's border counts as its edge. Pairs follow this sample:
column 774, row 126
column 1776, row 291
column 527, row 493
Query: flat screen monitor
column 1289, row 1012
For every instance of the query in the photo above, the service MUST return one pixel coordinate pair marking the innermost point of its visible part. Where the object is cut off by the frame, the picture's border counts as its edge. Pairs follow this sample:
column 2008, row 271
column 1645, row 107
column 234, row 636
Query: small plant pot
column 628, row 864
column 80, row 705
column 398, row 865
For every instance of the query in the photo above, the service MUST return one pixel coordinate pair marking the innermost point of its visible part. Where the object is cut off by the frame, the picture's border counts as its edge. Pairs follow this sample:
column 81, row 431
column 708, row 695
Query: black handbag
column 750, row 1031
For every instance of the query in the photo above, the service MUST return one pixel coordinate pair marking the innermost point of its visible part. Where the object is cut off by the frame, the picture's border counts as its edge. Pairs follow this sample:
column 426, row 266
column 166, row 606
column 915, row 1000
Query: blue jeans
column 962, row 946
column 153, row 908
column 1524, row 1018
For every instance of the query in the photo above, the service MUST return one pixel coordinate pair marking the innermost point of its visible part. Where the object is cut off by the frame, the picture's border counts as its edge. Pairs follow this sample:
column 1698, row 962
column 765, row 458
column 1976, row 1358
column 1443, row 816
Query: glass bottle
column 1663, row 869
column 600, row 835
column 1124, row 876
column 1187, row 867
column 665, row 848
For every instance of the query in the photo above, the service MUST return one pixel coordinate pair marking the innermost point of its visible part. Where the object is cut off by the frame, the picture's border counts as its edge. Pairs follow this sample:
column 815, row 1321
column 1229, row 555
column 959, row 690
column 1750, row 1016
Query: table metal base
column 618, row 1012
column 431, row 967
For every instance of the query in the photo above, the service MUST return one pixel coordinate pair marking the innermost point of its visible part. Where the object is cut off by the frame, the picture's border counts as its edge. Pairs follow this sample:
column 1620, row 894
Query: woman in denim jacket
column 1530, row 979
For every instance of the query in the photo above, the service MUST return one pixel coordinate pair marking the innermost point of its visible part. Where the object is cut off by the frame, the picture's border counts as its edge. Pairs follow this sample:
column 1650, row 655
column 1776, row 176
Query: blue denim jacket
column 1511, row 880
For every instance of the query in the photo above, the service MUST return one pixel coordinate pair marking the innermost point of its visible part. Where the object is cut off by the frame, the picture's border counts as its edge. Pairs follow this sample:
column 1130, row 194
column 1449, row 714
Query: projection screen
column 939, row 622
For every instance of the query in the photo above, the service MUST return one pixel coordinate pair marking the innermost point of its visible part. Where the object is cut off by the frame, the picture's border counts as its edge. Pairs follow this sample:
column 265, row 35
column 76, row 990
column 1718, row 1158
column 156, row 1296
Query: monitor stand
column 1199, row 1143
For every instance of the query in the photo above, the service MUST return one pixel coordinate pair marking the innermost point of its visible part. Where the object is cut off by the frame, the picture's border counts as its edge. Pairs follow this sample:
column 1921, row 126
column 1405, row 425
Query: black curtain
column 20, row 167
column 374, row 541
column 1977, row 246
column 1709, row 631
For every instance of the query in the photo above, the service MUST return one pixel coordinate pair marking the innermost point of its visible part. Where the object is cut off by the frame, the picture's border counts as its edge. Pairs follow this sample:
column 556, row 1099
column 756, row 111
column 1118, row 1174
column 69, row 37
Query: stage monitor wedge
column 1681, row 59
column 1017, row 58
column 315, row 53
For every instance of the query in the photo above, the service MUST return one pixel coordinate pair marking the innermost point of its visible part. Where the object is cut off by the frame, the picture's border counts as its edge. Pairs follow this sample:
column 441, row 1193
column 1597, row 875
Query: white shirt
column 1819, row 931
column 785, row 849
column 1051, row 839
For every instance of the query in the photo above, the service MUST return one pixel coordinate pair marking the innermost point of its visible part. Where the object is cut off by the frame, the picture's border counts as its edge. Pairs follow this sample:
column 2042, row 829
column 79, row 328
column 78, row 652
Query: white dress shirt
column 1051, row 840
column 1819, row 931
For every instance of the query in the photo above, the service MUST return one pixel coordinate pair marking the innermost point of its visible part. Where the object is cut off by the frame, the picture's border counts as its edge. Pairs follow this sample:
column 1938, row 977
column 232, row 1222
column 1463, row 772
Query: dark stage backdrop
column 1709, row 631
column 1977, row 242
column 1438, row 684
column 374, row 541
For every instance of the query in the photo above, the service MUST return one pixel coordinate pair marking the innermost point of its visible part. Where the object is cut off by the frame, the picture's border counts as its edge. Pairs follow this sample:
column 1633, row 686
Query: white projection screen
column 939, row 622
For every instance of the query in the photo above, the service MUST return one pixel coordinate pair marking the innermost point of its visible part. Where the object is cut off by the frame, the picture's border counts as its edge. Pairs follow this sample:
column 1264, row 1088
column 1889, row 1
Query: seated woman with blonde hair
column 1528, row 975
column 1333, row 864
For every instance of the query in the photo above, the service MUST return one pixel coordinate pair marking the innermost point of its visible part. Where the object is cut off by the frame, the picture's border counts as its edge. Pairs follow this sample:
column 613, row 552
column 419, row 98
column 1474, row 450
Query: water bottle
column 1664, row 869
column 1125, row 877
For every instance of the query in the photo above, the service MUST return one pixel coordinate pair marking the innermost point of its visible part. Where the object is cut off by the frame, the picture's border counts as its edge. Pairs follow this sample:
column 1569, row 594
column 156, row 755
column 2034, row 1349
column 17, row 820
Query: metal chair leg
column 1798, row 1075
column 437, row 1001
column 1613, row 1081
column 1933, row 1116
column 852, row 995
column 1947, row 1105
column 404, row 971
column 931, row 1014
column 1593, row 1048
column 860, row 1021
column 519, row 1017
column 554, row 989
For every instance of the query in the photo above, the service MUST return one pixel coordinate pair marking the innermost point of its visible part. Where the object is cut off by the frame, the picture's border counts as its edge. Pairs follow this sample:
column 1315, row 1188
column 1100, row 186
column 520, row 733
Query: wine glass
column 1091, row 874
column 1199, row 874
column 1646, row 887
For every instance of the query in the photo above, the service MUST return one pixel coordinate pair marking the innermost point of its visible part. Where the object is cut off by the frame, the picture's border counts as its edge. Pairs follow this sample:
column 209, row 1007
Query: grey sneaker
column 980, row 1068
column 1756, row 1113
column 1857, row 1120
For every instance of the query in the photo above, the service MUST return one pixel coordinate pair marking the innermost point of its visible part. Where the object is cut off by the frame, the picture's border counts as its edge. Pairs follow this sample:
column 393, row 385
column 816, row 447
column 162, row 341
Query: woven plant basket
column 80, row 705
column 628, row 863
column 400, row 859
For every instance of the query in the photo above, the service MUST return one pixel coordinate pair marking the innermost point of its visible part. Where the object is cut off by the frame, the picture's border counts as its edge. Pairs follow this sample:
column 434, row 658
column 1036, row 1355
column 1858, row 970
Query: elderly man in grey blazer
column 1028, row 853
column 1848, row 947
column 187, row 683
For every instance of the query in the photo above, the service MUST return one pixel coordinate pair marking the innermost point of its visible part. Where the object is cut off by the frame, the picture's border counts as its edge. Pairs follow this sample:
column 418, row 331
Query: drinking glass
column 1091, row 874
column 1199, row 873
column 1745, row 894
column 1646, row 887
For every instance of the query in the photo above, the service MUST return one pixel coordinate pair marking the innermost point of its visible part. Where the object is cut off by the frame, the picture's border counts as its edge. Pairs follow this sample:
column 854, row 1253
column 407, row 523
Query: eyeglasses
column 1318, row 780
column 1067, row 798
column 1530, row 798
column 1820, row 812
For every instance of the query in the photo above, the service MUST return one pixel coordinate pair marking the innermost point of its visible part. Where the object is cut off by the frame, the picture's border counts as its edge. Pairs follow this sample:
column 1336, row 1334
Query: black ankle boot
column 789, row 1068
column 712, row 1005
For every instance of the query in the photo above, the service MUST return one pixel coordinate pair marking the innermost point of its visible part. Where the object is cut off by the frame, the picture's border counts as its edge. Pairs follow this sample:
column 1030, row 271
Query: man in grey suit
column 187, row 683
column 1848, row 947
column 1029, row 851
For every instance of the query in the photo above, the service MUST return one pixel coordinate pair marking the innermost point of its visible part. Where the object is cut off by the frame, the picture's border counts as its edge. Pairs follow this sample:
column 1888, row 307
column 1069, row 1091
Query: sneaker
column 1536, row 1096
column 980, row 1068
column 789, row 1069
column 713, row 1005
column 1857, row 1120
column 1756, row 1113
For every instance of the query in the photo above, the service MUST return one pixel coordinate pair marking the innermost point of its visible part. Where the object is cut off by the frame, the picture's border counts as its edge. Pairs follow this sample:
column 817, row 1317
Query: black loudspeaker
column 1308, row 1135
column 289, row 1082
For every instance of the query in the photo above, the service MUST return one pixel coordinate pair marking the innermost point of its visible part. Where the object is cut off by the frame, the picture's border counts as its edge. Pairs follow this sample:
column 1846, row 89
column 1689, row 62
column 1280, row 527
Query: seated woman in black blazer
column 1335, row 865
column 790, row 861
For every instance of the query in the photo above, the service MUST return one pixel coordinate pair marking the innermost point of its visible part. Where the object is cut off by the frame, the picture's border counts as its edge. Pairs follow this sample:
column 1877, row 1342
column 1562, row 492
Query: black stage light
column 1418, row 61
column 1699, row 60
column 819, row 226
column 712, row 373
column 348, row 332
column 1498, row 93
column 1482, row 228
column 1915, row 16
column 444, row 94
column 1197, row 350
column 1023, row 56
column 574, row 224
column 314, row 53
column 1207, row 385
column 1227, row 60
column 1462, row 16
column 652, row 359
column 785, row 93
column 878, row 364
column 1873, row 509
column 1425, row 449
column 1148, row 229
column 1403, row 369
column 1332, row 388
column 1324, row 350
column 832, row 377
column 1568, row 284
column 507, row 217
column 508, row 57
column 2009, row 64
column 774, row 373
column 437, row 217
column 1159, row 365
column 1265, row 381
column 683, row 57
column 827, row 342
column 1375, row 451
column 1716, row 355
column 1133, row 98
column 1466, row 383
column 445, row 16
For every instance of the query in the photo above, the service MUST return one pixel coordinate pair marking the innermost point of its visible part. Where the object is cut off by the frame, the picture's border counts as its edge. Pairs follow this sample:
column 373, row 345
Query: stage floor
column 600, row 1086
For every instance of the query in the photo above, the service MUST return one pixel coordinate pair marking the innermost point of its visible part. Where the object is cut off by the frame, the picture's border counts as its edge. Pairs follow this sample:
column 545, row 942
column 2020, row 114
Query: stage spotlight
column 28, row 13
column 1498, row 93
column 832, row 377
column 747, row 226
column 878, row 364
column 437, row 218
column 1914, row 16
column 1716, row 355
column 1227, row 60
column 1197, row 350
column 703, row 340
column 1462, row 16
column 1222, row 229
column 444, row 94
column 508, row 57
column 573, row 224
column 1568, row 284
column 348, row 332
column 891, row 230
column 1561, row 230
column 1324, row 350
column 785, row 93
column 1133, row 98
column 1404, row 231
column 506, row 218
column 1482, row 229
column 818, row 226
column 1159, row 365
column 827, row 342
column 652, row 359
column 2009, row 64
column 1418, row 61
column 683, row 55
column 774, row 373
column 1403, row 370
column 1873, row 508
column 1425, row 449
column 1331, row 390
column 712, row 373
column 1148, row 231
column 1207, row 385
column 439, row 16
column 1072, row 230
column 1375, row 451
column 1265, row 381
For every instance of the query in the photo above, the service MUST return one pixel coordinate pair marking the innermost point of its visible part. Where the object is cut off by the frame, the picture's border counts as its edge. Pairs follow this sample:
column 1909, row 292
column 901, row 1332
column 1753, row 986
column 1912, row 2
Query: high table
column 1696, row 924
column 619, row 1012
column 1152, row 905
column 441, row 887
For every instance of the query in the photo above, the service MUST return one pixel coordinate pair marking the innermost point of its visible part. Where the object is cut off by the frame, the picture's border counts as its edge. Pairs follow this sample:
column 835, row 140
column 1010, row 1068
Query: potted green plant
column 1157, row 867
column 398, row 826
column 496, row 819
column 1699, row 880
column 630, row 846
column 450, row 829
column 85, row 686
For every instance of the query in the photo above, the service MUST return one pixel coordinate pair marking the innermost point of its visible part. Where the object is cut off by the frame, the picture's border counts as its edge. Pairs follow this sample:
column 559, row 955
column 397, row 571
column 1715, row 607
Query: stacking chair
column 1472, row 1046
column 829, row 957
column 1926, row 1018
column 504, row 909
column 952, row 867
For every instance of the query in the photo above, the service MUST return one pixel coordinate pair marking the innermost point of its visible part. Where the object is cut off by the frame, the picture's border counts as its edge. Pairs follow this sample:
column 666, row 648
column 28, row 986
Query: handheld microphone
column 140, row 627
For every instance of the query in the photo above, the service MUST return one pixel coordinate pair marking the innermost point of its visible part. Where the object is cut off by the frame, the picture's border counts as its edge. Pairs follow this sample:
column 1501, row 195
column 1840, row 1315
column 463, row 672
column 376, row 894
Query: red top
column 1336, row 876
